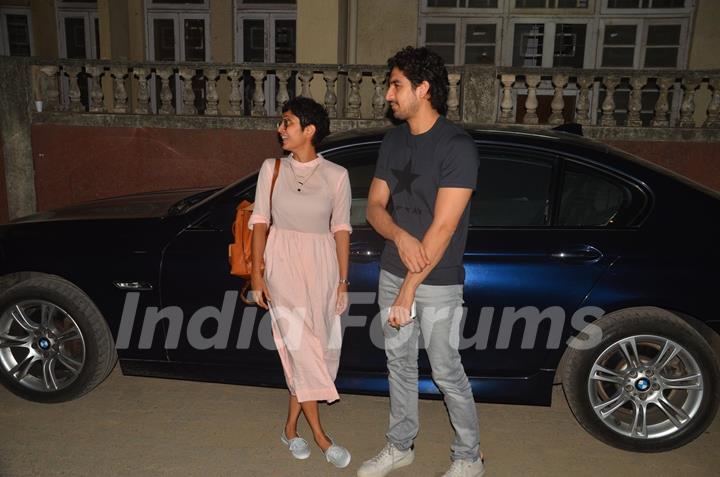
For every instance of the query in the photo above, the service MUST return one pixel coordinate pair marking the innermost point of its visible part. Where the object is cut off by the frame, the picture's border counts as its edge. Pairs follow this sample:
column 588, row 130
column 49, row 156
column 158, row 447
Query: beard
column 403, row 113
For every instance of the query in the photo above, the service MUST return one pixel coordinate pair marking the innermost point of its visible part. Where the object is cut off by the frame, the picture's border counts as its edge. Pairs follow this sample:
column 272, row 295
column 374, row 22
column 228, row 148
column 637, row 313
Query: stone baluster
column 330, row 77
column 49, row 88
column 306, row 77
column 453, row 101
column 582, row 109
column 635, row 105
column 96, row 93
column 378, row 98
column 258, row 106
column 354, row 101
column 212, row 98
column 166, row 96
column 188, row 95
column 558, row 101
column 608, row 104
column 713, row 112
column 73, row 73
column 531, row 103
column 283, row 95
column 143, row 98
column 660, row 120
column 236, row 96
column 507, row 115
column 120, row 96
column 687, row 109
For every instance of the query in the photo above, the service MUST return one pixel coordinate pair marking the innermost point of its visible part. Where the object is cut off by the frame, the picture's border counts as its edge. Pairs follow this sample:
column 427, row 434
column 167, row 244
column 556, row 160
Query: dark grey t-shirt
column 415, row 167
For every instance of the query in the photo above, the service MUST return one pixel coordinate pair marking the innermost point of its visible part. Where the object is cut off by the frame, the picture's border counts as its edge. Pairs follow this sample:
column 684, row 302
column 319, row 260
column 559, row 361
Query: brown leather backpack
column 240, row 251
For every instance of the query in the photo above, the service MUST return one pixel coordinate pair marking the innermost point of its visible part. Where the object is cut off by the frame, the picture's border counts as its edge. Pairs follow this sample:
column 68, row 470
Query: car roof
column 550, row 138
column 500, row 133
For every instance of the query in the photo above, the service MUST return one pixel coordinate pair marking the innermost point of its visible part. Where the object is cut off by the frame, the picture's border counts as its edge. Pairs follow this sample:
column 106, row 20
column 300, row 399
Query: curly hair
column 310, row 112
column 421, row 64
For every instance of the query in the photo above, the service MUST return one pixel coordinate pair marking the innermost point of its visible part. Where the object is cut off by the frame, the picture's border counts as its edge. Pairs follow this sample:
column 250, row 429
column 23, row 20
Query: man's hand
column 400, row 310
column 412, row 252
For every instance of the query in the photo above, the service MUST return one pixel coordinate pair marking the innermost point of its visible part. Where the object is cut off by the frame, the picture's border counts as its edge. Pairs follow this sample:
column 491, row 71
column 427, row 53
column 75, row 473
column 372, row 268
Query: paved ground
column 154, row 427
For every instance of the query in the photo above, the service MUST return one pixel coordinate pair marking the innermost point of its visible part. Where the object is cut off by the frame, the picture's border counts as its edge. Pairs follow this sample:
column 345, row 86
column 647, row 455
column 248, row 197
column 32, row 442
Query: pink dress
column 301, row 269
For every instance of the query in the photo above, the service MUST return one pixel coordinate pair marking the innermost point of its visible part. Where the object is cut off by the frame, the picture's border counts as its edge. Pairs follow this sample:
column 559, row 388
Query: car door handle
column 579, row 254
column 364, row 252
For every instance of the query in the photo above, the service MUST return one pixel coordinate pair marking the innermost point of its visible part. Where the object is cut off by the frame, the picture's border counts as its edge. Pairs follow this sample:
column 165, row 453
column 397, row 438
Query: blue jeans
column 439, row 313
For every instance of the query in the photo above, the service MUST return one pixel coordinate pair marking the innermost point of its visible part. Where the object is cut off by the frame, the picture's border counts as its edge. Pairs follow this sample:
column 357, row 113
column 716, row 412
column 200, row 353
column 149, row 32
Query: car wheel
column 54, row 343
column 650, row 385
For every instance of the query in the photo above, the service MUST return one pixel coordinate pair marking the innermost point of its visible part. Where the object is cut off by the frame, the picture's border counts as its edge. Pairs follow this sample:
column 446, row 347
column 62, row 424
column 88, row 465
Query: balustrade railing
column 255, row 90
column 645, row 98
column 607, row 98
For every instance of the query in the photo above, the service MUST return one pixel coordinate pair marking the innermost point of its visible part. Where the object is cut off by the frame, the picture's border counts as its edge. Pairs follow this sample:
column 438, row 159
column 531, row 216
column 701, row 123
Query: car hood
column 143, row 205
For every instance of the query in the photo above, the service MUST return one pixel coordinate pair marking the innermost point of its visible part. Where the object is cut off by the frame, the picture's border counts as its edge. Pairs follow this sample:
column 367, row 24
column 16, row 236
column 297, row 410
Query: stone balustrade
column 617, row 98
column 253, row 90
column 604, row 98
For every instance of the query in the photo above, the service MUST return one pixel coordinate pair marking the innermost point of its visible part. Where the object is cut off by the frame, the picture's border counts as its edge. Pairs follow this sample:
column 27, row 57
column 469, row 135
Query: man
column 428, row 166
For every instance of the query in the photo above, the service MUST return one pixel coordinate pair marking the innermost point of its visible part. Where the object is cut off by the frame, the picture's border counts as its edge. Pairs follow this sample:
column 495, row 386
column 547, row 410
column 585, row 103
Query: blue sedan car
column 585, row 266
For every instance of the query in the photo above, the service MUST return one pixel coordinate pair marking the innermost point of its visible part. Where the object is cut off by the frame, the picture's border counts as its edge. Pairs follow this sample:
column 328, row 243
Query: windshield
column 196, row 200
column 187, row 202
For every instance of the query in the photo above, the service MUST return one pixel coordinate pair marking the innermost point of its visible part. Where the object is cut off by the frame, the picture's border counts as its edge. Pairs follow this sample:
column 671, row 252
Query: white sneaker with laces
column 466, row 468
column 297, row 445
column 389, row 459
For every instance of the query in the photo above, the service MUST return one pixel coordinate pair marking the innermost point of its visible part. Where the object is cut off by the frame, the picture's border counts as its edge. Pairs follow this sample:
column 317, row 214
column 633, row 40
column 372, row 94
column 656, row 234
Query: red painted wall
column 75, row 164
column 699, row 161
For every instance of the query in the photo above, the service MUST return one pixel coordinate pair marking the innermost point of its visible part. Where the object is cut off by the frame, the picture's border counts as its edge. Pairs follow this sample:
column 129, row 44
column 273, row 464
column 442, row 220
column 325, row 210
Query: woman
column 304, row 268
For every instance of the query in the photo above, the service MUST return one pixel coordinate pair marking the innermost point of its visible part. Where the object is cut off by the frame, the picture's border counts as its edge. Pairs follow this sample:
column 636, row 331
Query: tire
column 55, row 345
column 611, row 386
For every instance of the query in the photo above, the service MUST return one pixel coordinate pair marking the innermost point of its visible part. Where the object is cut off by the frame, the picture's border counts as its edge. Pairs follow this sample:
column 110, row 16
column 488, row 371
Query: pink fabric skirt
column 301, row 272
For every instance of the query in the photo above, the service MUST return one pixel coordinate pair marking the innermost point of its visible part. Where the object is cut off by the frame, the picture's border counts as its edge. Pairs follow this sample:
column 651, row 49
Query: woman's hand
column 260, row 291
column 342, row 299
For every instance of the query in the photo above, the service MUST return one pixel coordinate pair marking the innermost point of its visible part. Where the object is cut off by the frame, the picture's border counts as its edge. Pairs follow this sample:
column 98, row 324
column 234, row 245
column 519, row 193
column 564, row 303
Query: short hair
column 310, row 112
column 421, row 64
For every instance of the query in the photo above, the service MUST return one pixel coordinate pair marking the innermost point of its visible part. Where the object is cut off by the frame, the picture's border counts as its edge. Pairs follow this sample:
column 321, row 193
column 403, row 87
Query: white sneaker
column 297, row 445
column 466, row 468
column 337, row 455
column 389, row 459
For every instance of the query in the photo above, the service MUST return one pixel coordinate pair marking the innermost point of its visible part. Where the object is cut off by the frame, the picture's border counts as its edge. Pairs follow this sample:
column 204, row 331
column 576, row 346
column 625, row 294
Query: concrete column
column 480, row 88
column 222, row 39
column 15, row 100
column 45, row 33
column 318, row 30
column 136, row 30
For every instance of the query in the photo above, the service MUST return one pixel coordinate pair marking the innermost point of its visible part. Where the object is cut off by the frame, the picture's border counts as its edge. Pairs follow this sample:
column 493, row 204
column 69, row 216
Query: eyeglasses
column 284, row 122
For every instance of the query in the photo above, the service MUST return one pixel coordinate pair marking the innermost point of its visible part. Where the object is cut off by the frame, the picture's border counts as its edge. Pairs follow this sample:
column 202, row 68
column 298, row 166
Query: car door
column 217, row 327
column 362, row 350
column 542, row 232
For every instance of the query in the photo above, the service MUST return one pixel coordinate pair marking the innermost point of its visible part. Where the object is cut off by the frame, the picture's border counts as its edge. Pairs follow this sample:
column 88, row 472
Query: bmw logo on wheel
column 642, row 384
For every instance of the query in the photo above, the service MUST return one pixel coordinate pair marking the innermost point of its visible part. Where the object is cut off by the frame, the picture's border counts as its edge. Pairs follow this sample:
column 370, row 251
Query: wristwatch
column 344, row 281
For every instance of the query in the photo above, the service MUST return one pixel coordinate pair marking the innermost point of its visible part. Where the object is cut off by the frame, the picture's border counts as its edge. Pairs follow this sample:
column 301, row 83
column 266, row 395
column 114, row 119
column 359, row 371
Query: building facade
column 106, row 97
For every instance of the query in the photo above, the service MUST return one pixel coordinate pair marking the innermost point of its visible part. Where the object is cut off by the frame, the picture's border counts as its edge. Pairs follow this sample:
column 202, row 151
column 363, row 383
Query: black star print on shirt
column 405, row 177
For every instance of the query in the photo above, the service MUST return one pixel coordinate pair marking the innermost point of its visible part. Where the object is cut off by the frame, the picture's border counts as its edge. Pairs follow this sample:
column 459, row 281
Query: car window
column 360, row 164
column 591, row 198
column 513, row 190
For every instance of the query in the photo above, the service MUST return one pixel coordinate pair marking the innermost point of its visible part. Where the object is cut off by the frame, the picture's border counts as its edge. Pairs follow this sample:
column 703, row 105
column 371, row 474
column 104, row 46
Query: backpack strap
column 276, row 171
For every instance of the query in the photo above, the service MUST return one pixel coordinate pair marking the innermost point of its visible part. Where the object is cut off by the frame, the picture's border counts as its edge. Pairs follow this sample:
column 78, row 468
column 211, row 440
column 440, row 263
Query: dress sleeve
column 342, row 201
column 261, row 207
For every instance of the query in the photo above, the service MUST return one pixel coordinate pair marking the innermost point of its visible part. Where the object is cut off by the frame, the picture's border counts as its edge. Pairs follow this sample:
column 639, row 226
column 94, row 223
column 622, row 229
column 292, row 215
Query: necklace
column 302, row 180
